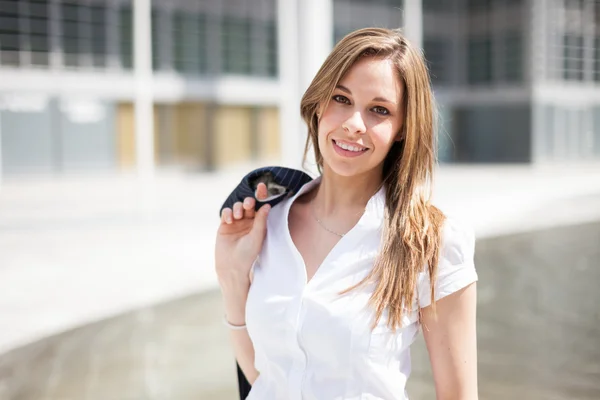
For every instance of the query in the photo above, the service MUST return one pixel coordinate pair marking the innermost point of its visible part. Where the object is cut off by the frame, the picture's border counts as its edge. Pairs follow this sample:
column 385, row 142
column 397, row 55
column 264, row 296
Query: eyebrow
column 345, row 89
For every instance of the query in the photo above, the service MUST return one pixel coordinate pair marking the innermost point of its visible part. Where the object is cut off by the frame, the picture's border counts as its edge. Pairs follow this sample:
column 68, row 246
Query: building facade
column 516, row 80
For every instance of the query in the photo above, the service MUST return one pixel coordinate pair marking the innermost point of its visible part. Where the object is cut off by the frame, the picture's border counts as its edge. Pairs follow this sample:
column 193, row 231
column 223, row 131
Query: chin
column 345, row 169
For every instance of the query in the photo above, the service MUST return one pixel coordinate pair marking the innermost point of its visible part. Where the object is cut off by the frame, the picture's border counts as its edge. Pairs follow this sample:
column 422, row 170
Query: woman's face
column 363, row 119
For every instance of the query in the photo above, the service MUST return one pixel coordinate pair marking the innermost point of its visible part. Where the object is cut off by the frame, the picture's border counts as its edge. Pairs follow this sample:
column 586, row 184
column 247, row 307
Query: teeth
column 349, row 148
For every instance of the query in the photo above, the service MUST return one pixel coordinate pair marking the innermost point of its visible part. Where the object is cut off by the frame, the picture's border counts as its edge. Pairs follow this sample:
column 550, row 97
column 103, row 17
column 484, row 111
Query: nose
column 355, row 124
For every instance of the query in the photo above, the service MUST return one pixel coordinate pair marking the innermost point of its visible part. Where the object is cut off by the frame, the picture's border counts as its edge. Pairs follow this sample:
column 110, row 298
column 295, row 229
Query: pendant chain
column 312, row 206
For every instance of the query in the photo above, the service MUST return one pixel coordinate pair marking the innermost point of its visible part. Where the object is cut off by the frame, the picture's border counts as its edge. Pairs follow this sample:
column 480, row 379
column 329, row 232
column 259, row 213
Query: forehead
column 374, row 77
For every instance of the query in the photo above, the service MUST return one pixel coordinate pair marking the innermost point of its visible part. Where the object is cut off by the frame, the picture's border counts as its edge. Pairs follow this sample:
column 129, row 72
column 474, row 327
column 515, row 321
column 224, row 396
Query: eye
column 381, row 110
column 341, row 99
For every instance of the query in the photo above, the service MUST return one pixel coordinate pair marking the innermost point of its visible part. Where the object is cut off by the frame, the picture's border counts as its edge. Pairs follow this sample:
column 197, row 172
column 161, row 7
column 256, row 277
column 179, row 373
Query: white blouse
column 312, row 343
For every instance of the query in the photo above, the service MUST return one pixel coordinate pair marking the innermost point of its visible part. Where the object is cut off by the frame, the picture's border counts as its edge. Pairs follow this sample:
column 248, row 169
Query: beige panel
column 268, row 135
column 232, row 135
column 125, row 135
column 189, row 133
column 164, row 133
column 156, row 128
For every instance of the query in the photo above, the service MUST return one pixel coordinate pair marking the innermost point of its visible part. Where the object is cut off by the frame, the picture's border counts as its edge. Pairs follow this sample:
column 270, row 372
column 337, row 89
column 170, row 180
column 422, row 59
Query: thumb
column 260, row 219
column 261, row 192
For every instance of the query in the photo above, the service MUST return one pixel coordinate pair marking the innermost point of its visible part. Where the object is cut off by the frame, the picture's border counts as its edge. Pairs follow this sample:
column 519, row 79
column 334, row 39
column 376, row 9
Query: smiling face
column 362, row 120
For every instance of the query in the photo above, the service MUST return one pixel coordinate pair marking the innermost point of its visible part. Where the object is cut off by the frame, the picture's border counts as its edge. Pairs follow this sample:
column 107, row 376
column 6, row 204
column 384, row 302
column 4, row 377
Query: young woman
column 326, row 292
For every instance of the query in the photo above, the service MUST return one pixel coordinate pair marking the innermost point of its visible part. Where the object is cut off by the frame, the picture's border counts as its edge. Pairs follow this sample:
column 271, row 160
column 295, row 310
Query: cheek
column 383, row 136
column 327, row 125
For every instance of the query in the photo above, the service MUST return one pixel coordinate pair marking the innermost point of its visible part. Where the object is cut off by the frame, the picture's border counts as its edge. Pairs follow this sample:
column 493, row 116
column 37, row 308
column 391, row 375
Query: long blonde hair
column 412, row 228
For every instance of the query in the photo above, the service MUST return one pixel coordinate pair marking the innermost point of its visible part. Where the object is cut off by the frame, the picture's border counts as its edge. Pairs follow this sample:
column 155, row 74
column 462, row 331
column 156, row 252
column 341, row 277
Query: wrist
column 235, row 313
column 233, row 280
column 234, row 302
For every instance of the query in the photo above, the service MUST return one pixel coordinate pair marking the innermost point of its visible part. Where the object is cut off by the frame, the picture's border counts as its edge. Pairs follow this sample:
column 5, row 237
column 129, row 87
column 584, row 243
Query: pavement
column 77, row 249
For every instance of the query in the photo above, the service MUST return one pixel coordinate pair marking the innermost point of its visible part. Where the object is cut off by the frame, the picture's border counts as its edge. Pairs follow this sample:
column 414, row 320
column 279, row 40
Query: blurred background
column 124, row 125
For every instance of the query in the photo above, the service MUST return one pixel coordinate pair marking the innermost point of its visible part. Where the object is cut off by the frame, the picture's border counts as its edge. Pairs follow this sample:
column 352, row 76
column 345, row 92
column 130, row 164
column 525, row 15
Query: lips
column 348, row 146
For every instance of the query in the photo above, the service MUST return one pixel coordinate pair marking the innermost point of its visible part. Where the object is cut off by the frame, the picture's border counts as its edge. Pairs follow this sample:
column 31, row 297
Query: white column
column 1, row 170
column 290, row 123
column 144, row 118
column 413, row 22
column 315, row 27
column 305, row 40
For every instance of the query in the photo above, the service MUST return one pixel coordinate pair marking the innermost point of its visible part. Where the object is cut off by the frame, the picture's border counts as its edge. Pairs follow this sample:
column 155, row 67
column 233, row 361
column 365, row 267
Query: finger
column 226, row 216
column 248, row 206
column 260, row 220
column 238, row 212
column 261, row 191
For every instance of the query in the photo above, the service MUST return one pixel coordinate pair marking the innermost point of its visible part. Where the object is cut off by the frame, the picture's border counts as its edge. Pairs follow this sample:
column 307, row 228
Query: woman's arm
column 451, row 341
column 235, row 305
column 239, row 241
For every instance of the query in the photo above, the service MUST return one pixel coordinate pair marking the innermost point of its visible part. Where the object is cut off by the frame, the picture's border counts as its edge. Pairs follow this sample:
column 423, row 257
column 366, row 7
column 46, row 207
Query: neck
column 339, row 195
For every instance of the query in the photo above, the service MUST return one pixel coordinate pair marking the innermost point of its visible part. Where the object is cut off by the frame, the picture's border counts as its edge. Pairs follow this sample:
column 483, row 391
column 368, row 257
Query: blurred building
column 517, row 80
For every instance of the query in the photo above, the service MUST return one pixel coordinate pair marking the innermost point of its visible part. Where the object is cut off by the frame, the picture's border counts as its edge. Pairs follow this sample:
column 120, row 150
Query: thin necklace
column 314, row 214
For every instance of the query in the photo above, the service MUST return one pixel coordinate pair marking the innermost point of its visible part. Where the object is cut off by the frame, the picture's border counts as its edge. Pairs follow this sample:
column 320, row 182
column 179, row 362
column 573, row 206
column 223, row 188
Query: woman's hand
column 240, row 238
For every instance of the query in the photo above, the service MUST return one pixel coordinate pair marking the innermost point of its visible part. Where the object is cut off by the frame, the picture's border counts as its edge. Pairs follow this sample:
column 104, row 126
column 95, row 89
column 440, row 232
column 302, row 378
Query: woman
column 334, row 282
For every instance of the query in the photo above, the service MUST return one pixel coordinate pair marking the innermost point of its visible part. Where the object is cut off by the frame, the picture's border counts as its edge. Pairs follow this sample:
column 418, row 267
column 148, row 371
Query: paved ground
column 538, row 330
column 79, row 249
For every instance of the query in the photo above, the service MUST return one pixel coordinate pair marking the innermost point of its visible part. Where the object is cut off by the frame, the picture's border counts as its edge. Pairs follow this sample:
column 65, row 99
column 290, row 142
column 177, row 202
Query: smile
column 348, row 147
column 348, row 150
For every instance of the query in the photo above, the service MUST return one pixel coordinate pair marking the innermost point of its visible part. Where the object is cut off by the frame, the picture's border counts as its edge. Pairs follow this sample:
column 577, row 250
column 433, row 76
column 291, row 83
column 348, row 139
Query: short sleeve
column 456, row 266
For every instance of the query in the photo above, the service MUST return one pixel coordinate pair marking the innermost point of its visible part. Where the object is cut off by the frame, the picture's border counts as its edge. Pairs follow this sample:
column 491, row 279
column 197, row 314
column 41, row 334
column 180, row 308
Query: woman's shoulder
column 455, row 267
column 458, row 241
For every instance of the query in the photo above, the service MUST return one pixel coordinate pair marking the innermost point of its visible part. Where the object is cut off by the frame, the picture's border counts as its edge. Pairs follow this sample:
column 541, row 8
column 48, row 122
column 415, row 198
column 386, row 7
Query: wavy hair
column 411, row 238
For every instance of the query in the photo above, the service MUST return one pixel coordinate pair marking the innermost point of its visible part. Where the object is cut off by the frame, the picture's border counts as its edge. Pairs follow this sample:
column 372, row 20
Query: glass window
column 597, row 59
column 597, row 43
column 99, row 35
column 10, row 42
column 480, row 60
column 70, row 33
column 513, row 57
column 189, row 42
column 236, row 45
column 272, row 51
column 264, row 48
column 573, row 57
column 339, row 33
column 156, row 14
column 436, row 55
column 24, row 27
column 574, row 4
column 39, row 43
column 479, row 5
column 437, row 5
column 126, row 36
